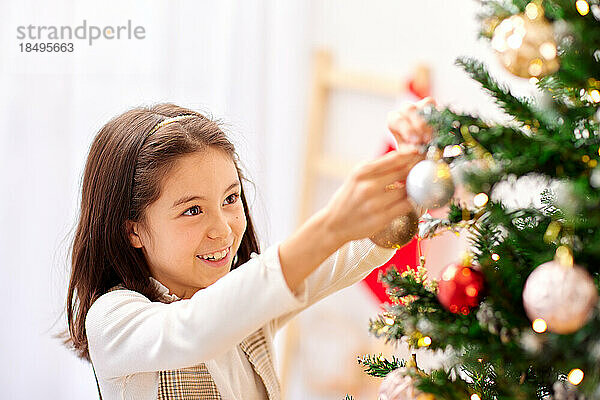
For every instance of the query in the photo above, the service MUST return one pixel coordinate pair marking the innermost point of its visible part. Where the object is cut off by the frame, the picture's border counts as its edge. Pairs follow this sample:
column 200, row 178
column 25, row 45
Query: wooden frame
column 326, row 77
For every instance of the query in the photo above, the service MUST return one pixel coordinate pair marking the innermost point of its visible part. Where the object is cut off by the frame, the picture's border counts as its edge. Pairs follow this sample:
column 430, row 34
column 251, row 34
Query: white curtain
column 246, row 62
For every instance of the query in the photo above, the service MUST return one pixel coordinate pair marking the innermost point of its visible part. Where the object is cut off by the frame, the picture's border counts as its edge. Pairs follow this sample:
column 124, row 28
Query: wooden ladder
column 327, row 77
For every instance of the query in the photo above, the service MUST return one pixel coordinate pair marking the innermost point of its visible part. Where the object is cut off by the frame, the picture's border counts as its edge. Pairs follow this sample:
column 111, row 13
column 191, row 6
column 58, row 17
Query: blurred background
column 252, row 64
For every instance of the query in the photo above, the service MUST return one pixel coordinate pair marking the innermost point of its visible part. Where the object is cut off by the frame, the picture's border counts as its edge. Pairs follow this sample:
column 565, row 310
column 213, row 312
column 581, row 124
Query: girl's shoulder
column 116, row 298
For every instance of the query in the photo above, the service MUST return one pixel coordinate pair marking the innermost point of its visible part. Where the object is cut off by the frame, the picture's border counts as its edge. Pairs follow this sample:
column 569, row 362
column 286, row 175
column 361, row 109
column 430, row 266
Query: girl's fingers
column 389, row 200
column 408, row 126
column 425, row 101
column 388, row 164
column 402, row 207
column 399, row 127
column 419, row 125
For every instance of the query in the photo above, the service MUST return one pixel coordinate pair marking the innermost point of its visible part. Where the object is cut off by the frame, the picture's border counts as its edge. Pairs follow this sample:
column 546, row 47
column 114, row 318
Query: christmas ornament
column 399, row 384
column 429, row 184
column 525, row 43
column 564, row 390
column 399, row 232
column 595, row 178
column 560, row 293
column 461, row 287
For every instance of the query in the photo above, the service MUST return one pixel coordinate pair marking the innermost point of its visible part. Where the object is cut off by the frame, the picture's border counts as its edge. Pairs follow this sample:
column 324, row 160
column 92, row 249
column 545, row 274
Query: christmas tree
column 518, row 318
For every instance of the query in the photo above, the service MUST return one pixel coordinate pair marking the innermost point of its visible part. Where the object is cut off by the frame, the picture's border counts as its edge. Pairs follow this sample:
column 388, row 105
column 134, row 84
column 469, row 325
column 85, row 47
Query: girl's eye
column 195, row 210
column 233, row 197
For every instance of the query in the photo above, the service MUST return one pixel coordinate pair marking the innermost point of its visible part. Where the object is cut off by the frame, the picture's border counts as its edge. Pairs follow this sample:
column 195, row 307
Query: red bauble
column 461, row 288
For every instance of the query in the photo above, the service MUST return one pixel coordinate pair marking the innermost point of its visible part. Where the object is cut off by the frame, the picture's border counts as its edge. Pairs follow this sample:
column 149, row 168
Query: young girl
column 170, row 296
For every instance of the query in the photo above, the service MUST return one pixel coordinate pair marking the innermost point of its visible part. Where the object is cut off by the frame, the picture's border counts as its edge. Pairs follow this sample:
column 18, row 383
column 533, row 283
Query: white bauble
column 562, row 296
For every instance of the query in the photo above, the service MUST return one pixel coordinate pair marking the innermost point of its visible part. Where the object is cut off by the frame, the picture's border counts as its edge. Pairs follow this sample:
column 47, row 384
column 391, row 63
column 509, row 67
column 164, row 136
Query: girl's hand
column 410, row 129
column 371, row 197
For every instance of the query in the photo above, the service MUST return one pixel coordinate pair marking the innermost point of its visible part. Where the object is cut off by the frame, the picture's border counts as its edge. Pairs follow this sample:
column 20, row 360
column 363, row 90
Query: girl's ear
column 132, row 234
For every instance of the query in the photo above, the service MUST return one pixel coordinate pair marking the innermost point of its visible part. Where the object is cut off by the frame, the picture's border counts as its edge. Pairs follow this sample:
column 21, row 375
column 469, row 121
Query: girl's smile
column 217, row 258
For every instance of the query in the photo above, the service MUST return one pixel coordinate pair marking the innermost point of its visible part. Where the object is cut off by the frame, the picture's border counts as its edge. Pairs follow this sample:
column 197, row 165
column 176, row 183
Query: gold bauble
column 525, row 44
column 399, row 232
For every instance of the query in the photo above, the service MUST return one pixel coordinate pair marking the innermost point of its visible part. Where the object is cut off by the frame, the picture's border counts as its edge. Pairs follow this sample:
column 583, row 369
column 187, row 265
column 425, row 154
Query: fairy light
column 539, row 325
column 495, row 257
column 548, row 50
column 425, row 341
column 480, row 199
column 583, row 7
column 533, row 80
column 471, row 291
column 532, row 11
column 535, row 67
column 575, row 376
column 389, row 321
column 475, row 397
column 452, row 151
column 595, row 95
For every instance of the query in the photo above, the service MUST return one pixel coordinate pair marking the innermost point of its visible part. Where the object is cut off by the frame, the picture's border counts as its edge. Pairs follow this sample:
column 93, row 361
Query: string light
column 548, row 50
column 452, row 151
column 389, row 321
column 480, row 199
column 532, row 11
column 575, row 376
column 583, row 7
column 475, row 397
column 495, row 257
column 535, row 67
column 424, row 341
column 539, row 325
column 595, row 95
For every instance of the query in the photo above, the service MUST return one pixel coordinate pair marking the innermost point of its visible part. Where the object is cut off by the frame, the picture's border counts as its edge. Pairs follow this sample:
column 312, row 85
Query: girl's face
column 198, row 219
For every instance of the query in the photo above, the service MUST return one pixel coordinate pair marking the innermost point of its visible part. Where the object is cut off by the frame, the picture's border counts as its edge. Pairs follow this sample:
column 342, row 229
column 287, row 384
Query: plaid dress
column 195, row 383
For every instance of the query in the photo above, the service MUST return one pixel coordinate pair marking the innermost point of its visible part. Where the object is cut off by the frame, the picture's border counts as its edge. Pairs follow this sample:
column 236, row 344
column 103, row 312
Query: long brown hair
column 123, row 175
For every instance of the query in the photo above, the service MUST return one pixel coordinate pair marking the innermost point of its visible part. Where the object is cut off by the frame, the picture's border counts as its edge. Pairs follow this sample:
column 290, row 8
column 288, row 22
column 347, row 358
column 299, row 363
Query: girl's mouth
column 216, row 263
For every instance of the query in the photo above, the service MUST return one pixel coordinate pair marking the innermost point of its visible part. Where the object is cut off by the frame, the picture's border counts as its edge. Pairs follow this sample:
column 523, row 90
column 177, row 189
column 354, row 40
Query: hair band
column 169, row 120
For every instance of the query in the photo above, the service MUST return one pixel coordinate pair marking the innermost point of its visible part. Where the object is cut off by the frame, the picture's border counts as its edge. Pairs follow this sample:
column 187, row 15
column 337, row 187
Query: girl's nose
column 219, row 227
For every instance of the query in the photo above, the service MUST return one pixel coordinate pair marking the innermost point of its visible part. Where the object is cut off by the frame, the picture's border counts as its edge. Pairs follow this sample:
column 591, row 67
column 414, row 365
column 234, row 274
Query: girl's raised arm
column 360, row 208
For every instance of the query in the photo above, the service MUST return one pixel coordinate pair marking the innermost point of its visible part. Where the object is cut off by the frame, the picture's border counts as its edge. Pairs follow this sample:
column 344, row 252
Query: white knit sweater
column 131, row 338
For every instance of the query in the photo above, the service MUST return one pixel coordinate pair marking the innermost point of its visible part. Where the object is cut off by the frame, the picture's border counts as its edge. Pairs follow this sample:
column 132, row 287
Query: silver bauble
column 562, row 296
column 429, row 184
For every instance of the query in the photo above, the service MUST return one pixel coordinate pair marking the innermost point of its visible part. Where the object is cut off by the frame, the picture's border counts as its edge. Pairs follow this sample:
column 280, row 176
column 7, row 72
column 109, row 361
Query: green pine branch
column 379, row 366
